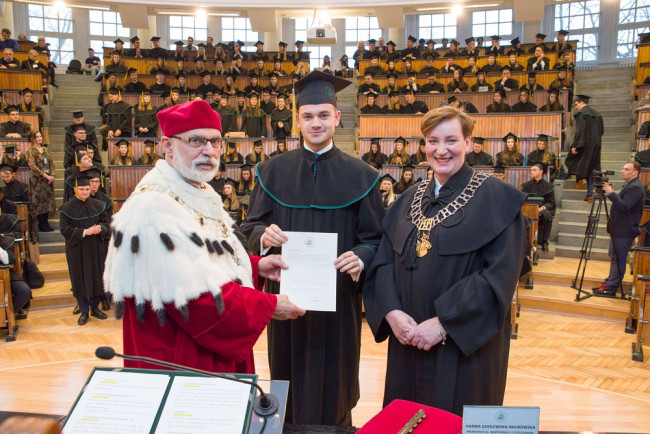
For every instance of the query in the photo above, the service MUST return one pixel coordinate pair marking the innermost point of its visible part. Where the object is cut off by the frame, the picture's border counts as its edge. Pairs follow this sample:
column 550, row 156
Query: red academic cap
column 188, row 116
column 396, row 414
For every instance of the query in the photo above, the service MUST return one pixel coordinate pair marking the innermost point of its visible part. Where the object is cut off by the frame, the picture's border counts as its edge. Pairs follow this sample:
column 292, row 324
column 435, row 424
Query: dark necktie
column 314, row 166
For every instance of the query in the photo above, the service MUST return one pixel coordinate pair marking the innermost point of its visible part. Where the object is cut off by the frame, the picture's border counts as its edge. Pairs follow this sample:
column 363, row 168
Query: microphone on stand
column 265, row 404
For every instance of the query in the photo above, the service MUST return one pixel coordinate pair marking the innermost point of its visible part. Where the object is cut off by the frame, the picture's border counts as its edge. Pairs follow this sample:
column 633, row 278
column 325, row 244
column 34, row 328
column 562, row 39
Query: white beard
column 190, row 171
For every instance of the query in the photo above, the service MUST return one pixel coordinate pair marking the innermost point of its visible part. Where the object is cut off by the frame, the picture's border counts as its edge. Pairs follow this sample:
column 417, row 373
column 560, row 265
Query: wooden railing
column 194, row 81
column 244, row 146
column 487, row 125
column 25, row 55
column 19, row 80
column 480, row 99
column 544, row 78
column 13, row 96
column 492, row 145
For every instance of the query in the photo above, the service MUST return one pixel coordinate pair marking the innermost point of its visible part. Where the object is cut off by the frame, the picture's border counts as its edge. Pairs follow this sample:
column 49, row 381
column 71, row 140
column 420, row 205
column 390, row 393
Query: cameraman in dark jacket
column 623, row 225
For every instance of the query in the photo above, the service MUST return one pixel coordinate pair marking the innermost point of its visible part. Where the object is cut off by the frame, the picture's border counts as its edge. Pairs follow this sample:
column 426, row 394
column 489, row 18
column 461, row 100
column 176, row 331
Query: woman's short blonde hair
column 32, row 52
column 434, row 117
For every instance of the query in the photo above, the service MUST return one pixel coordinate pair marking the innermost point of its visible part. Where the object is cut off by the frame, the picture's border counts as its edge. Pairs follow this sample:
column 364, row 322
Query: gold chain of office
column 425, row 225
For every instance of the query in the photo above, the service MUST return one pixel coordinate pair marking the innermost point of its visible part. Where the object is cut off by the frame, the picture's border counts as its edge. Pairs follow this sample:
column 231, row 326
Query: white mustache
column 205, row 160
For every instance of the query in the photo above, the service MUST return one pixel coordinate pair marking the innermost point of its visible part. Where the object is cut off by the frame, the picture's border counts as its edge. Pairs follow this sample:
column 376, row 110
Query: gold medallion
column 423, row 245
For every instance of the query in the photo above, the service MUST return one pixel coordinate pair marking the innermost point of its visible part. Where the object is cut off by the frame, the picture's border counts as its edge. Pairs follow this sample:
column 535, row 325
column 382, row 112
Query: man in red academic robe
column 185, row 286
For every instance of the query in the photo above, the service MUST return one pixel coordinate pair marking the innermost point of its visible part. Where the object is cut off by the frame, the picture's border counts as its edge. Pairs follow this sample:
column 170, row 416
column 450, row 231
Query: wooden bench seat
column 194, row 81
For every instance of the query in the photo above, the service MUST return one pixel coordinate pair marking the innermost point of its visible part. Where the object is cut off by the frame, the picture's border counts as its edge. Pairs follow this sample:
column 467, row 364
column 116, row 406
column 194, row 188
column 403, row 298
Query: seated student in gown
column 543, row 155
column 441, row 284
column 478, row 157
column 510, row 156
column 539, row 187
column 374, row 155
column 399, row 155
column 420, row 157
column 406, row 180
column 123, row 157
column 388, row 196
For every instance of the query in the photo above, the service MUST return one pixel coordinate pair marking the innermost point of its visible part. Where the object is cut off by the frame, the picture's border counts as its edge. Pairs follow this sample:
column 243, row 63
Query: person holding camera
column 623, row 225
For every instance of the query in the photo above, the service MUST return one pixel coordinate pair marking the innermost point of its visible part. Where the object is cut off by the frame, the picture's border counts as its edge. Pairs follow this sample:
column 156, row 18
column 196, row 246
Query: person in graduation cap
column 512, row 62
column 179, row 53
column 374, row 155
column 538, row 187
column 299, row 54
column 393, row 106
column 282, row 54
column 371, row 108
column 21, row 293
column 411, row 85
column 207, row 87
column 478, row 157
column 28, row 106
column 15, row 190
column 565, row 61
column 123, row 156
column 230, row 88
column 515, row 47
column 160, row 66
column 280, row 148
column 79, row 119
column 232, row 156
column 84, row 224
column 116, row 117
column 145, row 122
column 134, row 86
column 14, row 128
column 470, row 50
column 543, row 155
column 386, row 188
column 150, row 156
column 12, row 155
column 441, row 284
column 204, row 308
column 584, row 154
column 160, row 87
column 246, row 183
column 400, row 155
column 374, row 66
column 83, row 162
column 257, row 154
column 231, row 201
column 539, row 42
column 157, row 50
column 136, row 51
column 532, row 85
column 420, row 156
column 411, row 50
column 227, row 113
column 7, row 208
column 41, row 182
column 281, row 118
column 391, row 53
column 218, row 181
column 329, row 191
column 406, row 180
column 562, row 44
column 372, row 50
column 300, row 69
column 506, row 82
column 80, row 141
column 495, row 48
column 110, row 83
column 259, row 53
column 510, row 156
column 432, row 86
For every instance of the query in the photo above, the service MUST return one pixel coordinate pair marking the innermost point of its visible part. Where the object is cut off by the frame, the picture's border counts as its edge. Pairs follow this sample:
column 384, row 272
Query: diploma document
column 310, row 281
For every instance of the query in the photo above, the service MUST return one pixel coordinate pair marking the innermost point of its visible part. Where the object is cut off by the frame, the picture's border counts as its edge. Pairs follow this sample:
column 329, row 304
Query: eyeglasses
column 200, row 142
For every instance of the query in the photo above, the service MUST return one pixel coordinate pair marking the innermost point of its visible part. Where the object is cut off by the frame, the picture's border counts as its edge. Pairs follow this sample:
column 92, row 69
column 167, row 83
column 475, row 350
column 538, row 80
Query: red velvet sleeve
column 232, row 334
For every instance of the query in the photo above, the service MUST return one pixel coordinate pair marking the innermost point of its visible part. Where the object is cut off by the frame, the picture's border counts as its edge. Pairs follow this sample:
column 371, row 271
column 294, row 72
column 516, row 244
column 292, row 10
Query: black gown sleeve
column 474, row 309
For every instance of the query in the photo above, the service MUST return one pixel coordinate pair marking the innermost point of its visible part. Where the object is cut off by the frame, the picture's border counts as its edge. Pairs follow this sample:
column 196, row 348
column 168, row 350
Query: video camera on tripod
column 599, row 177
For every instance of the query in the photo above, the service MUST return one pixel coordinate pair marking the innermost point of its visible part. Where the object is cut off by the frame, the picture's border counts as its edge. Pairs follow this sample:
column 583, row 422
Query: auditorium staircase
column 75, row 92
column 345, row 136
column 612, row 94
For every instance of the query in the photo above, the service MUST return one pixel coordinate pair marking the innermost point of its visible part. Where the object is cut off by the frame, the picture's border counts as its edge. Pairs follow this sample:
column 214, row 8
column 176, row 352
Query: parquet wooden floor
column 578, row 370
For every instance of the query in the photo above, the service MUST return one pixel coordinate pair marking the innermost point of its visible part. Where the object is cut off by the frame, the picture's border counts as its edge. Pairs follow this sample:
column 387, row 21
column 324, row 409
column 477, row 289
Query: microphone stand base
column 272, row 408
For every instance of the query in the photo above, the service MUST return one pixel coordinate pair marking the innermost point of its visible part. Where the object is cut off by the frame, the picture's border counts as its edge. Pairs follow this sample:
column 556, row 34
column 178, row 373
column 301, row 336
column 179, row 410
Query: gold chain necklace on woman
column 425, row 225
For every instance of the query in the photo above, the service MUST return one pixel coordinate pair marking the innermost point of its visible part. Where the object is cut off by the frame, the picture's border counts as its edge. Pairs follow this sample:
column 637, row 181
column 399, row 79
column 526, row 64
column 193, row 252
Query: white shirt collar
column 322, row 151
